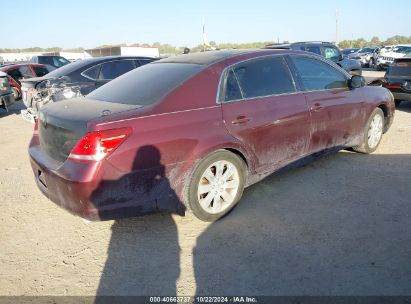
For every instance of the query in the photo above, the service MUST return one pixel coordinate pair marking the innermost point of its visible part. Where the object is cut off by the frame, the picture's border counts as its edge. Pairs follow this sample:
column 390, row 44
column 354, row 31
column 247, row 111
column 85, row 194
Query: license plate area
column 41, row 178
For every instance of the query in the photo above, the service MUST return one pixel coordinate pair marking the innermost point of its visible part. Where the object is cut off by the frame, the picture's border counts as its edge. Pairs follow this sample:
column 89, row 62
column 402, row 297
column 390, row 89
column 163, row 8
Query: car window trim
column 128, row 59
column 100, row 64
column 324, row 60
column 224, row 74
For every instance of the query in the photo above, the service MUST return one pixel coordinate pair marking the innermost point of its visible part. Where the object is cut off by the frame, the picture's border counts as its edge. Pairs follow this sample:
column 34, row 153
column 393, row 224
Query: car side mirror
column 356, row 82
column 340, row 57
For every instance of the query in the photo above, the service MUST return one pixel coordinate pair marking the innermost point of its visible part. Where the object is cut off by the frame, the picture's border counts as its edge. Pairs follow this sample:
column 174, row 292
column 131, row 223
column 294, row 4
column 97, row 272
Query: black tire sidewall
column 193, row 181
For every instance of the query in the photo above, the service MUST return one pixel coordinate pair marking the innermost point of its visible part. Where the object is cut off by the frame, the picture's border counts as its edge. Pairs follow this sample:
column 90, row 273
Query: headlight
column 68, row 93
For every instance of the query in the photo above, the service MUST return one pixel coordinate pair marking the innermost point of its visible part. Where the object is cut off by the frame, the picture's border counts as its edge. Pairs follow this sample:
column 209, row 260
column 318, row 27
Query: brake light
column 95, row 146
column 36, row 127
column 30, row 91
column 393, row 86
column 401, row 64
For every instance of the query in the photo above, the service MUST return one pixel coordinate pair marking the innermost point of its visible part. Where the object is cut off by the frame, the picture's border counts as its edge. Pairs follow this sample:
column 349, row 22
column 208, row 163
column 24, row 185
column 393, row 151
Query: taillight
column 95, row 146
column 393, row 86
column 30, row 91
column 36, row 127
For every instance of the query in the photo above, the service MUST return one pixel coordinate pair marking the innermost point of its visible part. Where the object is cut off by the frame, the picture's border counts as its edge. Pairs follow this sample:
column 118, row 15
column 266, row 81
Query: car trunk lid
column 63, row 124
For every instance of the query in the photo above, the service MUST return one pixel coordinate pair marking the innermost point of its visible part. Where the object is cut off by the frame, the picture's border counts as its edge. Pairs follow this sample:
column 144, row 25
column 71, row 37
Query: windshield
column 367, row 50
column 146, row 84
column 403, row 49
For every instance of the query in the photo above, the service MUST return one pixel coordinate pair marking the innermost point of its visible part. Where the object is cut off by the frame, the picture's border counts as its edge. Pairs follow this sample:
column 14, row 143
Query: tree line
column 375, row 41
column 170, row 49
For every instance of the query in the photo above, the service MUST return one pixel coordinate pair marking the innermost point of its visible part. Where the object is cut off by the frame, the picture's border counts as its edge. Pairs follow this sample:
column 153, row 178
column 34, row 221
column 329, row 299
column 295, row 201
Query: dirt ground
column 337, row 226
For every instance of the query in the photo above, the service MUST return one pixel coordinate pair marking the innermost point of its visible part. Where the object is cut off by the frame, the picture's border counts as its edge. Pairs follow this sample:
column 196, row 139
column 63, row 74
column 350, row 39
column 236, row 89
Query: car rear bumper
column 402, row 96
column 6, row 101
column 95, row 191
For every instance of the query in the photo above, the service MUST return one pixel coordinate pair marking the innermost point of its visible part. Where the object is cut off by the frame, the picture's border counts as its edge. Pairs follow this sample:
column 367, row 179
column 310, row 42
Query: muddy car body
column 193, row 130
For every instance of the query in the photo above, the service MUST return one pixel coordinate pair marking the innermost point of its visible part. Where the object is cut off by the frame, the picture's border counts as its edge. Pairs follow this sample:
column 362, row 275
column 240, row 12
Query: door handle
column 316, row 107
column 242, row 119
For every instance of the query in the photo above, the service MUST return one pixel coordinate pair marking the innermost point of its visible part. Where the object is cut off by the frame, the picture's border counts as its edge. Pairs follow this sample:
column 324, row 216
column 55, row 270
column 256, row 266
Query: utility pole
column 336, row 27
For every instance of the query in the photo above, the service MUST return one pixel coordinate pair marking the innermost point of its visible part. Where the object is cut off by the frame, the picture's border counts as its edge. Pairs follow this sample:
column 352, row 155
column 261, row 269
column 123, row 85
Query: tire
column 373, row 131
column 215, row 200
column 16, row 93
column 397, row 103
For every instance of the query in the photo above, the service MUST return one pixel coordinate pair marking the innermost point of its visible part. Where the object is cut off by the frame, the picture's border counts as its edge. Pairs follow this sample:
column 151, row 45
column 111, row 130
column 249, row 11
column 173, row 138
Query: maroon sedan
column 192, row 131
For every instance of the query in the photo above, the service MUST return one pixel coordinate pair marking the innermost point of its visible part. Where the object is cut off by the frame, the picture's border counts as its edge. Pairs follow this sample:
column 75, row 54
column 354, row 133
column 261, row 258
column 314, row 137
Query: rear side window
column 113, row 69
column 400, row 68
column 318, row 75
column 93, row 72
column 40, row 71
column 264, row 77
column 313, row 49
column 147, row 84
column 232, row 89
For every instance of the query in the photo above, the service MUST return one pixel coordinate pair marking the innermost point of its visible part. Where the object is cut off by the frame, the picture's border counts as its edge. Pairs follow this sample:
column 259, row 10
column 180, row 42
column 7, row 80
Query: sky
column 89, row 23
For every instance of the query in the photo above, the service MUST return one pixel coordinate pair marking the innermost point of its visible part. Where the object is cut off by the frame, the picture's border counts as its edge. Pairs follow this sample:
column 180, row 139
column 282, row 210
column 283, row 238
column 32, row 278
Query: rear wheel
column 216, row 185
column 16, row 93
column 372, row 132
column 397, row 103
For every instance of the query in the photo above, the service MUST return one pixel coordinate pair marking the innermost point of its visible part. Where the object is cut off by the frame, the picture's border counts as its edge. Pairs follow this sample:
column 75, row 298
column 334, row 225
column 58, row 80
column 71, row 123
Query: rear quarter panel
column 379, row 97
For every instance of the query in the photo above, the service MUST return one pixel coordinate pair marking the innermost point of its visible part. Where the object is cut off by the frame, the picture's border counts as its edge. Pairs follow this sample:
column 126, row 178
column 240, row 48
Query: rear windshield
column 68, row 68
column 147, row 84
column 400, row 68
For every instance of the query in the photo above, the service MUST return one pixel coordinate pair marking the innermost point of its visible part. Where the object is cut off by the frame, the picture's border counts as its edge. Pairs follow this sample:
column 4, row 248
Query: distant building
column 72, row 56
column 124, row 51
column 16, row 57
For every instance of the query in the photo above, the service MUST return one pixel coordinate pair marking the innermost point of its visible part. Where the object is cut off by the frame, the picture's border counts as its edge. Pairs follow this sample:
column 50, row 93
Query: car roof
column 17, row 65
column 211, row 57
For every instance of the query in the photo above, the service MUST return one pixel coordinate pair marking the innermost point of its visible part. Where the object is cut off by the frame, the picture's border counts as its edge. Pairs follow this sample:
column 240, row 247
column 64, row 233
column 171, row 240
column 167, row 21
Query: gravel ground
column 337, row 226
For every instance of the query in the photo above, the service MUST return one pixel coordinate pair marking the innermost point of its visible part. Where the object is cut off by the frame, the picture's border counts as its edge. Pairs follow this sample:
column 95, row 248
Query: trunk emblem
column 105, row 112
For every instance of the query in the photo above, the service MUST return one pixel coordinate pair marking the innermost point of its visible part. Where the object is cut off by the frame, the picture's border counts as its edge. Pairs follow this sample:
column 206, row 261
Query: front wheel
column 216, row 185
column 372, row 132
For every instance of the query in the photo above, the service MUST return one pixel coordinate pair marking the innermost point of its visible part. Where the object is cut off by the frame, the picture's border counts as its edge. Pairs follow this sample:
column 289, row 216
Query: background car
column 326, row 49
column 50, row 60
column 367, row 56
column 349, row 51
column 388, row 58
column 6, row 95
column 19, row 72
column 398, row 79
column 75, row 79
column 192, row 131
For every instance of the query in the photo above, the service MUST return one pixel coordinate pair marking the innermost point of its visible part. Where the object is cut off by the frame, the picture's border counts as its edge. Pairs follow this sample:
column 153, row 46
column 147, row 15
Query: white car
column 385, row 59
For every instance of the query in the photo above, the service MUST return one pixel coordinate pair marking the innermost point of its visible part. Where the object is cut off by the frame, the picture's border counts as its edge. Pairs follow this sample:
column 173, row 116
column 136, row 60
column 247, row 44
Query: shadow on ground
column 338, row 226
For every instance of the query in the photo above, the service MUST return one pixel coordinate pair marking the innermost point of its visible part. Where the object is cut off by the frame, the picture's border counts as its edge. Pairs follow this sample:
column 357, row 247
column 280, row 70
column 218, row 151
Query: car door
column 337, row 112
column 262, row 108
